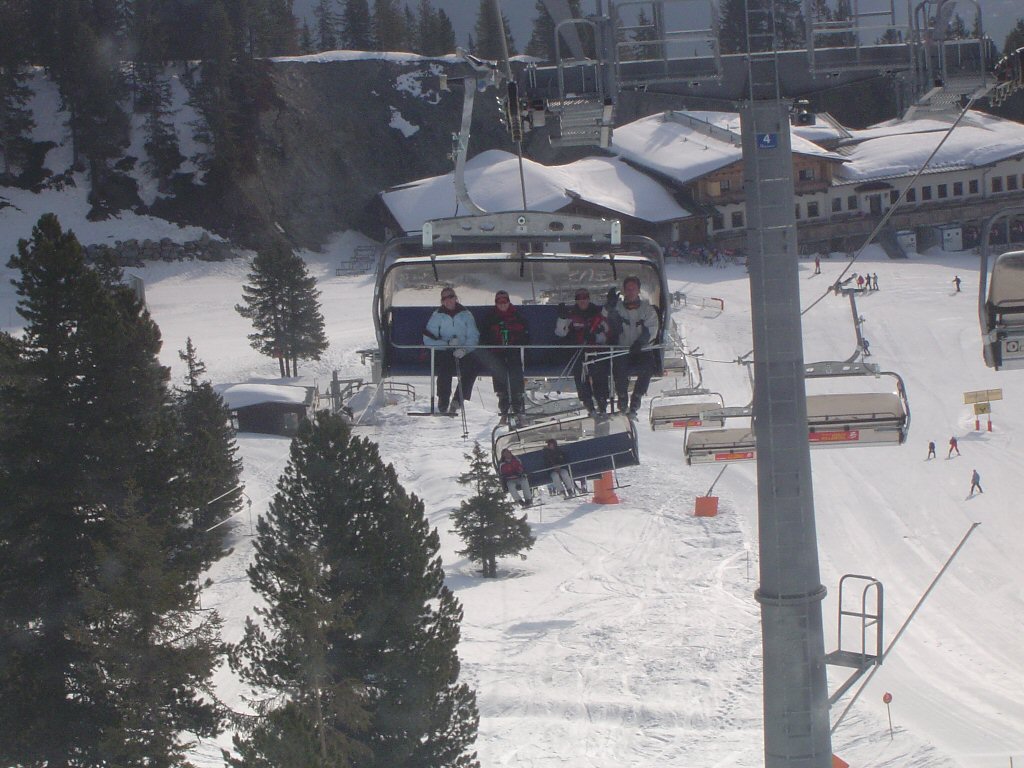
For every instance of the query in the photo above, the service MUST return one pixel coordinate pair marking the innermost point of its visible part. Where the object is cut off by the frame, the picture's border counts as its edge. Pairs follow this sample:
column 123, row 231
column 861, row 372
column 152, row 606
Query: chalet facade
column 678, row 178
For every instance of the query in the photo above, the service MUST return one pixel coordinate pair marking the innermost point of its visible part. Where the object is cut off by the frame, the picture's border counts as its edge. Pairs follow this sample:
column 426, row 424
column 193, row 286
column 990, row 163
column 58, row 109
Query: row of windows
column 940, row 192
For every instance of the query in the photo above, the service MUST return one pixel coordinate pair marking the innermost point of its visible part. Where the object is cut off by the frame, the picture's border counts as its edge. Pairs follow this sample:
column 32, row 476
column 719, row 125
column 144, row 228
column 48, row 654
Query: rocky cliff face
column 342, row 131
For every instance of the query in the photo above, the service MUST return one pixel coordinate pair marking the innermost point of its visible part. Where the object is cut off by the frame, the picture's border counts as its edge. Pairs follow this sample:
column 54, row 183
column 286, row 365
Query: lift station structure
column 599, row 57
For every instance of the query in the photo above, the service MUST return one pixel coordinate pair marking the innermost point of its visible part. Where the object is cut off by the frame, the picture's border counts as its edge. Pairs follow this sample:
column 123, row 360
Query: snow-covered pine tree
column 356, row 651
column 486, row 522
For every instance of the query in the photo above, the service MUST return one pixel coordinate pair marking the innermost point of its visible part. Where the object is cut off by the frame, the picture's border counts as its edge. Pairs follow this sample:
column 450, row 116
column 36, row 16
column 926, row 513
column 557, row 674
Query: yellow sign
column 980, row 408
column 983, row 396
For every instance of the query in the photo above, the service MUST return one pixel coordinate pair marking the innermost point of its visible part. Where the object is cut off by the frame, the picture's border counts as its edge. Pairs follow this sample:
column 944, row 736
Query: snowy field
column 629, row 637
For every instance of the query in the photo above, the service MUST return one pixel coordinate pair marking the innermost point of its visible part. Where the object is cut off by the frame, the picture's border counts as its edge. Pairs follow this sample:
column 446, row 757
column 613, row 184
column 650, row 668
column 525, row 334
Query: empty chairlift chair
column 835, row 420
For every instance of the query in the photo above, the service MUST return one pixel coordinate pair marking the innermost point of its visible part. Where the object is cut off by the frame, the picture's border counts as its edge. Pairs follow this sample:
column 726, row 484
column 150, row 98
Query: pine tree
column 283, row 303
column 443, row 39
column 15, row 116
column 355, row 654
column 357, row 26
column 486, row 522
column 86, row 464
column 542, row 37
column 326, row 25
column 1015, row 39
column 388, row 25
column 488, row 33
column 210, row 483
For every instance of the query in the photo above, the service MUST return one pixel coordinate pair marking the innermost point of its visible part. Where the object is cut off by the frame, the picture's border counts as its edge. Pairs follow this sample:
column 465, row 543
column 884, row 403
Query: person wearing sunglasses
column 583, row 325
column 452, row 331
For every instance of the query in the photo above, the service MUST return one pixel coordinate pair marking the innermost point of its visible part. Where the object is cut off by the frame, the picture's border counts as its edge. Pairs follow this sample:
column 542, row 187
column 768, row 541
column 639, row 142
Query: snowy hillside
column 629, row 636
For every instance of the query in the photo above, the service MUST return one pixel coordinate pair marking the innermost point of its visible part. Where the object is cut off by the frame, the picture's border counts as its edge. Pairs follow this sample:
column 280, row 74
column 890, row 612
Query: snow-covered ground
column 630, row 636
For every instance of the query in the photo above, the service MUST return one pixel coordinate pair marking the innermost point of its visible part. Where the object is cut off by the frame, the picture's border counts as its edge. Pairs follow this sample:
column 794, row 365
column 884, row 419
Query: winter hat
column 501, row 295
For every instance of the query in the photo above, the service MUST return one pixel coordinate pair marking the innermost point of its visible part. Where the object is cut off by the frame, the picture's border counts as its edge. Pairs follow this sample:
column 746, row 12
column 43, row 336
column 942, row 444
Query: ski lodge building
column 678, row 177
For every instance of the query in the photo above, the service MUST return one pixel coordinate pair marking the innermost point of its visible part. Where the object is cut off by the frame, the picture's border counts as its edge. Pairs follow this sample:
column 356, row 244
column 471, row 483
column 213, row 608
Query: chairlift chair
column 687, row 408
column 534, row 256
column 834, row 420
column 593, row 444
column 1001, row 301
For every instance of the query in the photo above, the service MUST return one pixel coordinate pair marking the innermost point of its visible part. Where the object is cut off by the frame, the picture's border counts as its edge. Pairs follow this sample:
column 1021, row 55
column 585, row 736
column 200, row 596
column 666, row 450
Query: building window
column 972, row 187
column 717, row 221
column 997, row 183
column 812, row 210
column 958, row 189
column 1011, row 183
column 911, row 195
column 837, row 204
column 926, row 193
column 806, row 174
column 725, row 185
column 737, row 219
column 798, row 210
column 851, row 203
column 943, row 191
column 894, row 195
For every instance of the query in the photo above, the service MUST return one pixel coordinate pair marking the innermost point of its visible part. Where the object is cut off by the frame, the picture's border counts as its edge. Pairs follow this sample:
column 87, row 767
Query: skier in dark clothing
column 931, row 450
column 584, row 325
column 556, row 461
column 953, row 446
column 505, row 327
column 956, row 282
column 817, row 265
column 975, row 482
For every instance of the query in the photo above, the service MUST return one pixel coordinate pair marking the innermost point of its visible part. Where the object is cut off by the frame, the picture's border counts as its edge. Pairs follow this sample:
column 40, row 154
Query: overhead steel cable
column 892, row 209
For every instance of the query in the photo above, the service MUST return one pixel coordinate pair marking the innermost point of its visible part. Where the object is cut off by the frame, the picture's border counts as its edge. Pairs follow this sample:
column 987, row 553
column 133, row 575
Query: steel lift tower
column 762, row 86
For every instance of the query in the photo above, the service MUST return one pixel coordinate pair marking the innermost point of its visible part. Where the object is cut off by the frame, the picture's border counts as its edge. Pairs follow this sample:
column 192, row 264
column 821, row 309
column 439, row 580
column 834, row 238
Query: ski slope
column 629, row 635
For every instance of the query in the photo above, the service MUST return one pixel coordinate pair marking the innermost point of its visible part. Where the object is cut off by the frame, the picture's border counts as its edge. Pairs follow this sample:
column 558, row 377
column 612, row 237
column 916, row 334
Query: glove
column 460, row 353
column 453, row 341
column 563, row 311
column 613, row 298
column 636, row 347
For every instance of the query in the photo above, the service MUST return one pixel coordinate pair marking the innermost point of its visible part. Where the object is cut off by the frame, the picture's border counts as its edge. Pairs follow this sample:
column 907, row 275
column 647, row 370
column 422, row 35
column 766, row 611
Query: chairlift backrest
column 592, row 445
column 1001, row 298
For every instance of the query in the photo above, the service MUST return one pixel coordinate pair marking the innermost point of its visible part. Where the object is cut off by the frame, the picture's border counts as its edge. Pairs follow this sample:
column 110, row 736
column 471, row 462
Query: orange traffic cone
column 604, row 490
column 706, row 506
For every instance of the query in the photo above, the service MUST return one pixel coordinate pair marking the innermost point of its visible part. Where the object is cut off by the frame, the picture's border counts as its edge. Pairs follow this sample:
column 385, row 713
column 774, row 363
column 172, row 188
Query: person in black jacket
column 556, row 461
column 504, row 326
column 584, row 325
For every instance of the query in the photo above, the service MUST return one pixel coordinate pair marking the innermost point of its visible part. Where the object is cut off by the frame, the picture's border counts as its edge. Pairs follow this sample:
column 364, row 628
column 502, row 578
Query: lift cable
column 892, row 209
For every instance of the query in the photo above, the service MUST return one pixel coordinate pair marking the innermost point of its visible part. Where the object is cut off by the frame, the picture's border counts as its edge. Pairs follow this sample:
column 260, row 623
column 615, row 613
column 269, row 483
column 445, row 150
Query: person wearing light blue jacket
column 452, row 328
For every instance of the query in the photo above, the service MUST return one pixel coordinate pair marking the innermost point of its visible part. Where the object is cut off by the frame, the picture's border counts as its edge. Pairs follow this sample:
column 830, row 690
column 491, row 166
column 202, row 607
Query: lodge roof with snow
column 899, row 148
column 683, row 146
column 492, row 178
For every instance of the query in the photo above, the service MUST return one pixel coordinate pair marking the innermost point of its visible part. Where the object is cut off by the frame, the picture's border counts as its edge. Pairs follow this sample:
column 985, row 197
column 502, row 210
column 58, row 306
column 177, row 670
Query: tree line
column 115, row 488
